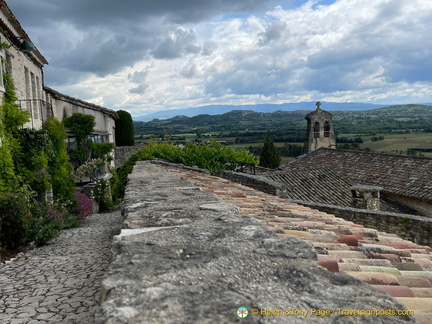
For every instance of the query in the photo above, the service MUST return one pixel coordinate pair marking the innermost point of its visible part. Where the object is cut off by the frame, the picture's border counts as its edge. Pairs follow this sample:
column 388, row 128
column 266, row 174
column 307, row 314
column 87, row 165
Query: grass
column 400, row 142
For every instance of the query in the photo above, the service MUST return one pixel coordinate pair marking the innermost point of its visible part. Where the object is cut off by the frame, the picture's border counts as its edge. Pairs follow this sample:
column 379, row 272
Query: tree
column 124, row 131
column 270, row 157
column 82, row 126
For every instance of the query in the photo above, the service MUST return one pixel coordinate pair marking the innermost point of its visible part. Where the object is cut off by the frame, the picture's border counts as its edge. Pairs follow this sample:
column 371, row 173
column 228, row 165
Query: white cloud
column 161, row 55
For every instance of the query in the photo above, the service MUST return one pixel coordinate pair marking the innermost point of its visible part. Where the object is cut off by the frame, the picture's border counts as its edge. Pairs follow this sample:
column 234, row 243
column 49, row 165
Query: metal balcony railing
column 40, row 110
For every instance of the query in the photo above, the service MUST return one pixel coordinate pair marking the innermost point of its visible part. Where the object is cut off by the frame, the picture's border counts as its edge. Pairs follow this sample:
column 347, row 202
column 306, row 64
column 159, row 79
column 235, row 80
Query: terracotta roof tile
column 401, row 268
column 396, row 291
column 375, row 278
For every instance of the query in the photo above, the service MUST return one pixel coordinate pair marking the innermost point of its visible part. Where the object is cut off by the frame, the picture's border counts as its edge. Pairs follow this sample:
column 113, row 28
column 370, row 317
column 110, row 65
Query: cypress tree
column 269, row 157
column 124, row 131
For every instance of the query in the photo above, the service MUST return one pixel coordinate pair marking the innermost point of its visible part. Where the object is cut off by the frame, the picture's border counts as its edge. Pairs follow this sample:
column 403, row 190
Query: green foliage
column 82, row 126
column 289, row 150
column 215, row 158
column 124, row 131
column 269, row 157
column 13, row 116
column 8, row 179
column 31, row 159
column 290, row 126
column 15, row 220
column 11, row 119
column 102, row 150
column 42, row 229
column 60, row 168
column 119, row 179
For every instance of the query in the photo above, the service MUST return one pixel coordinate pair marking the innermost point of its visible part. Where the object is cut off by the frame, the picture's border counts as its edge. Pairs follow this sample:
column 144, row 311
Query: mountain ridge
column 221, row 109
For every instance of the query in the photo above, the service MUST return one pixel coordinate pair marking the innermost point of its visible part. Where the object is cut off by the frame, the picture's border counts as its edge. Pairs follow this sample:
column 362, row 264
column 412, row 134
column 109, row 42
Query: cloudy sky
column 149, row 55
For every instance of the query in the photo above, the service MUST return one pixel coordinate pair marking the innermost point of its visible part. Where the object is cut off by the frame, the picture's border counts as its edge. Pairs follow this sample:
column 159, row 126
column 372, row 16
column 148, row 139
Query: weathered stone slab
column 193, row 259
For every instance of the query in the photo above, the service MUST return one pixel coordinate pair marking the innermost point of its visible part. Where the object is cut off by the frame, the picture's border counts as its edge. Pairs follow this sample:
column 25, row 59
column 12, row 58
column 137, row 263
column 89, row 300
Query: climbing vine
column 60, row 168
column 11, row 119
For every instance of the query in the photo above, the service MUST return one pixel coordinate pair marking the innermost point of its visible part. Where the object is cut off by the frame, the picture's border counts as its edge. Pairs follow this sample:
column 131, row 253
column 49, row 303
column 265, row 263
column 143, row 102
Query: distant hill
column 268, row 108
column 385, row 119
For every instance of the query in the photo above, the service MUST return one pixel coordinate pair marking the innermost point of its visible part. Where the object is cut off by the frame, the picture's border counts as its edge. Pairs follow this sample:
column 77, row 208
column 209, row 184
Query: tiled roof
column 79, row 102
column 16, row 39
column 326, row 185
column 400, row 268
column 407, row 176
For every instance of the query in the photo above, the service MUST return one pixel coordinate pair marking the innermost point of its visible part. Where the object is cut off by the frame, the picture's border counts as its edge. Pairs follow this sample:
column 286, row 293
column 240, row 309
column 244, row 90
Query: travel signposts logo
column 242, row 312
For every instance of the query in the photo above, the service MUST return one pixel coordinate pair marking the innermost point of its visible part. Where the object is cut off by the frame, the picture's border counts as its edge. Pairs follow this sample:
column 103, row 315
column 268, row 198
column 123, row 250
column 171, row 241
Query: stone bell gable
column 320, row 131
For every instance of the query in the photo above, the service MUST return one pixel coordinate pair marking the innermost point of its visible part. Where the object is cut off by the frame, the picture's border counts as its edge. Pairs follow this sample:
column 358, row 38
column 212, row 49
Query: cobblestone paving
column 59, row 283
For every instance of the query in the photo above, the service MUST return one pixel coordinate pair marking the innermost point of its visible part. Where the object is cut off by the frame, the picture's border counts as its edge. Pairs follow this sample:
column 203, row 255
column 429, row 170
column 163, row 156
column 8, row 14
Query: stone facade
column 320, row 131
column 64, row 106
column 25, row 68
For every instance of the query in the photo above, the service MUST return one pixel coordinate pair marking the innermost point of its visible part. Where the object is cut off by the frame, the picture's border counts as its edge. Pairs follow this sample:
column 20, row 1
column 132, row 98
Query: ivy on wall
column 31, row 160
column 11, row 119
column 60, row 168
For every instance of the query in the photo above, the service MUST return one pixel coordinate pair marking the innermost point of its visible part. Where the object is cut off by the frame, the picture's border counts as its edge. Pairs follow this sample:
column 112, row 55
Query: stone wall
column 123, row 153
column 257, row 182
column 414, row 228
column 184, row 256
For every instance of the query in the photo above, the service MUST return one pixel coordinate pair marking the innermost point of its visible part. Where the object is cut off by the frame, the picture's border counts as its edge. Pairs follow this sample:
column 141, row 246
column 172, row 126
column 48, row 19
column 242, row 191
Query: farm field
column 397, row 143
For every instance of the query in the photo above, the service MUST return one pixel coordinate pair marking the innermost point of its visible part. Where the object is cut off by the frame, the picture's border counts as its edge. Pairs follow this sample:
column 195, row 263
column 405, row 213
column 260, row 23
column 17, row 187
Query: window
column 316, row 130
column 28, row 92
column 327, row 129
column 33, row 95
column 2, row 69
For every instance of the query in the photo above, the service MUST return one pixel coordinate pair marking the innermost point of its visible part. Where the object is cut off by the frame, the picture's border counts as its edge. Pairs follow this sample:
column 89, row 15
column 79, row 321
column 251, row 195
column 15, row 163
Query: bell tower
column 319, row 130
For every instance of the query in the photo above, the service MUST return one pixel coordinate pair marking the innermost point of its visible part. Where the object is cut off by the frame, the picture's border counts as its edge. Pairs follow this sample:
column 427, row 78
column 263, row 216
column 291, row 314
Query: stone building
column 319, row 130
column 377, row 181
column 64, row 106
column 24, row 63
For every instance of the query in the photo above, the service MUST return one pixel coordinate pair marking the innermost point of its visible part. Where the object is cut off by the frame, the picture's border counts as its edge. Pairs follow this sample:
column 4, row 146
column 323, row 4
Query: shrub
column 15, row 220
column 60, row 168
column 31, row 159
column 214, row 158
column 124, row 129
column 82, row 126
column 84, row 206
column 43, row 229
column 11, row 119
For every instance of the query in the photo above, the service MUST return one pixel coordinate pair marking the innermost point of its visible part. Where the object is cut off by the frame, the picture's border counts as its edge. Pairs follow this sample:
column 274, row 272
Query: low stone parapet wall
column 254, row 181
column 184, row 256
column 410, row 227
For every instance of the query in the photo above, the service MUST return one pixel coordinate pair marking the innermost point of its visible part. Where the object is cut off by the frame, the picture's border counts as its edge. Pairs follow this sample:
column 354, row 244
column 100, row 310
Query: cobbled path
column 59, row 282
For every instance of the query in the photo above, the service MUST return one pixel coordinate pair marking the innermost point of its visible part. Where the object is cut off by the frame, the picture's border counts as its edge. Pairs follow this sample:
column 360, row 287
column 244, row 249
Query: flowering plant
column 85, row 205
